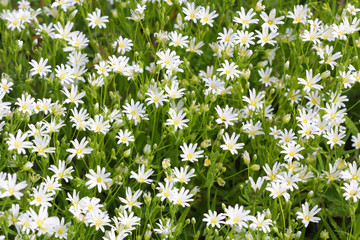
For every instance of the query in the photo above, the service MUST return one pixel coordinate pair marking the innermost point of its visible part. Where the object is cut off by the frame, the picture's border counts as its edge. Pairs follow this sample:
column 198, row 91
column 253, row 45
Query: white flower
column 352, row 190
column 231, row 143
column 125, row 137
column 142, row 176
column 266, row 37
column 178, row 40
column 271, row 20
column 327, row 56
column 300, row 14
column 334, row 136
column 277, row 190
column 79, row 149
column 41, row 145
column 353, row 173
column 156, row 97
column 41, row 197
column 122, row 45
column 255, row 100
column 244, row 38
column 206, row 17
column 60, row 229
column 308, row 216
column 177, row 119
column 10, row 188
column 166, row 229
column 237, row 216
column 245, row 19
column 41, row 221
column 260, row 223
column 131, row 199
column 182, row 175
column 18, row 143
column 98, row 124
column 190, row 153
column 226, row 116
column 310, row 82
column 98, row 178
column 252, row 129
column 40, row 67
column 26, row 103
column 356, row 141
column 181, row 197
column 214, row 219
column 73, row 96
column 191, row 12
column 292, row 150
column 165, row 191
column 62, row 172
column 99, row 219
column 230, row 70
column 95, row 19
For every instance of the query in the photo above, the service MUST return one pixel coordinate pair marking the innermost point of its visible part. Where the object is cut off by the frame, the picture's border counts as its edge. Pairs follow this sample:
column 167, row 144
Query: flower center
column 213, row 220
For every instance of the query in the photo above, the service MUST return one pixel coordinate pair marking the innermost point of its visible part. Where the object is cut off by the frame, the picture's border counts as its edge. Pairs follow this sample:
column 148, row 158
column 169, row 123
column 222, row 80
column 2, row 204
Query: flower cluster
column 179, row 119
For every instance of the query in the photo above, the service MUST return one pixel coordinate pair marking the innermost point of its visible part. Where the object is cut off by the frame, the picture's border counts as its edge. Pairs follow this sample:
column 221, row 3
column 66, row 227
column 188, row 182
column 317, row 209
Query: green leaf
column 351, row 126
column 180, row 222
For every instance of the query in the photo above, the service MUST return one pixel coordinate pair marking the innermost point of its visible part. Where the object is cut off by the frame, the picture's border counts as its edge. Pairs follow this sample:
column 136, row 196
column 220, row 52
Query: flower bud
column 325, row 74
column 310, row 194
column 259, row 6
column 20, row 44
column 286, row 118
column 255, row 167
column 27, row 166
column 247, row 74
column 127, row 153
column 324, row 234
column 287, row 65
column 268, row 213
column 166, row 163
column 206, row 143
column 221, row 182
column 4, row 2
column 147, row 149
column 246, row 158
column 262, row 64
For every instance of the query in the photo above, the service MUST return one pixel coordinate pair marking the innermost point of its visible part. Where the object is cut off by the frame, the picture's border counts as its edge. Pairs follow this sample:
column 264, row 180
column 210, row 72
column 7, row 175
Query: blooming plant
column 179, row 119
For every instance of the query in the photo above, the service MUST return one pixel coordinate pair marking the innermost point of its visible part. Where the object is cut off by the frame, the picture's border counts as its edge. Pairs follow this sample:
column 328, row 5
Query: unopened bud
column 246, row 157
column 221, row 182
column 310, row 194
column 147, row 149
column 262, row 64
column 255, row 167
column 287, row 118
column 324, row 234
column 325, row 74
column 127, row 153
column 247, row 74
column 206, row 143
column 27, row 166
column 287, row 65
